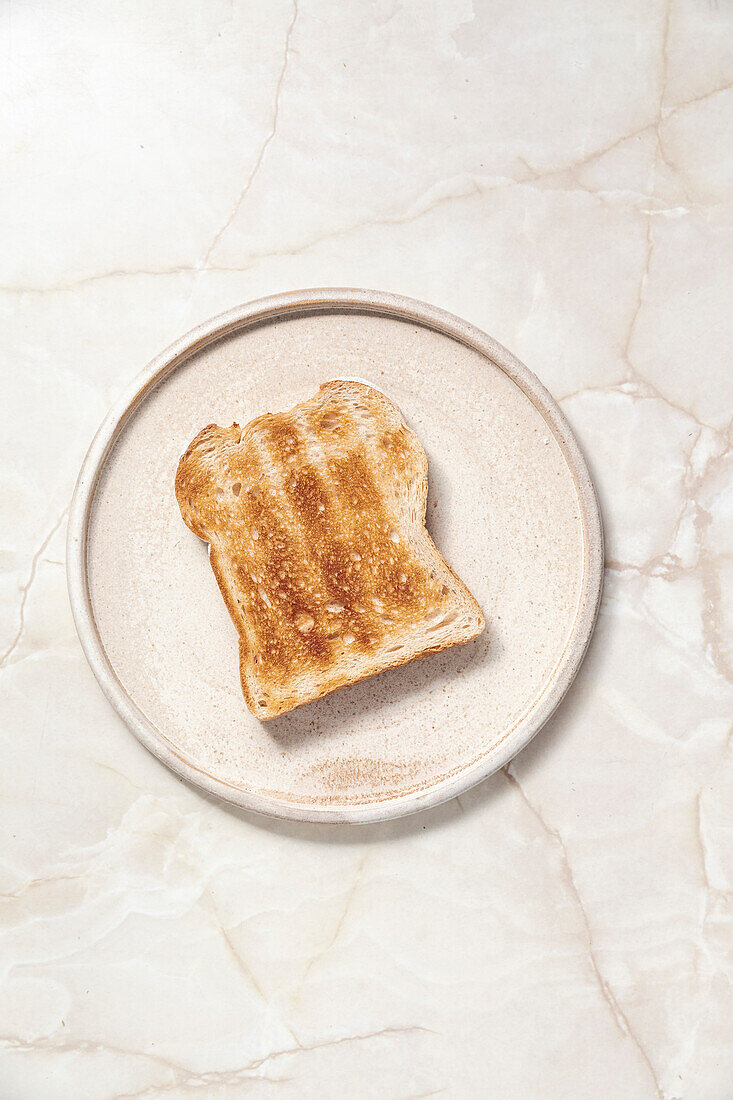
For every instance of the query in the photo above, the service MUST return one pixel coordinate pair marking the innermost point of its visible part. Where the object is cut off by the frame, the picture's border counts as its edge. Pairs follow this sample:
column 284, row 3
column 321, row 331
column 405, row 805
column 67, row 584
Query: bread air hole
column 237, row 488
column 219, row 494
column 334, row 607
column 305, row 623
column 445, row 621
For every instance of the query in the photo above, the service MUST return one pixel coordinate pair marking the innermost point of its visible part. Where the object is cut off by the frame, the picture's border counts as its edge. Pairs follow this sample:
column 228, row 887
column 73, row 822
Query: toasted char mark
column 365, row 582
column 358, row 521
column 394, row 444
column 390, row 573
column 313, row 514
column 266, row 596
column 318, row 516
column 283, row 441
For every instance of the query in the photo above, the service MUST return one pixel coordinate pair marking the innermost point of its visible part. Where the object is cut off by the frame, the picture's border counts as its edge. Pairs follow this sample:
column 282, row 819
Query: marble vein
column 617, row 1013
column 424, row 1095
column 351, row 893
column 242, row 966
column 639, row 388
column 668, row 112
column 241, row 1074
column 668, row 567
column 241, row 963
column 25, row 588
column 418, row 208
column 91, row 1046
column 269, row 137
column 713, row 622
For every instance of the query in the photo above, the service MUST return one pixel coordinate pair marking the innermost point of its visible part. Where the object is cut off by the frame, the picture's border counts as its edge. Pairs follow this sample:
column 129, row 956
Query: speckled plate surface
column 511, row 506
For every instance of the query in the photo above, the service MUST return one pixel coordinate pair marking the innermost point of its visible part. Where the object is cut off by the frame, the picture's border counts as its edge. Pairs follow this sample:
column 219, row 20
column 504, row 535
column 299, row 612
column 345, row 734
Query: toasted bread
column 315, row 524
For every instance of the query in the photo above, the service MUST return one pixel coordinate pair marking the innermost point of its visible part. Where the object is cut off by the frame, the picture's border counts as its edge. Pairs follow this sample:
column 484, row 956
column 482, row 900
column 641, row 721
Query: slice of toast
column 315, row 524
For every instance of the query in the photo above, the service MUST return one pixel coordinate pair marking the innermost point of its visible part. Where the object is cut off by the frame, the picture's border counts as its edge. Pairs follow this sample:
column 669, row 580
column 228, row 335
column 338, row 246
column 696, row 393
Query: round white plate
column 511, row 507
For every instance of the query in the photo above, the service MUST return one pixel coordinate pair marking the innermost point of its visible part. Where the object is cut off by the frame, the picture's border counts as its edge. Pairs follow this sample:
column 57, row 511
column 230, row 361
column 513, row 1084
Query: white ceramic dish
column 511, row 507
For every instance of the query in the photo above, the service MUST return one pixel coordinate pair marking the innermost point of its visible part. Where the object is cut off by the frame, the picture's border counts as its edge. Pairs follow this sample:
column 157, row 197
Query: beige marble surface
column 558, row 174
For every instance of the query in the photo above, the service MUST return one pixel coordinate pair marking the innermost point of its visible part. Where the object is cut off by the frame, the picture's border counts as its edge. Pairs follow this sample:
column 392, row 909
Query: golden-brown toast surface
column 315, row 521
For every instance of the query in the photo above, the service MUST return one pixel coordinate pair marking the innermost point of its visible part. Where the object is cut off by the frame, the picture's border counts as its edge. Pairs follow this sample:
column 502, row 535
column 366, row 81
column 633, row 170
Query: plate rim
column 329, row 300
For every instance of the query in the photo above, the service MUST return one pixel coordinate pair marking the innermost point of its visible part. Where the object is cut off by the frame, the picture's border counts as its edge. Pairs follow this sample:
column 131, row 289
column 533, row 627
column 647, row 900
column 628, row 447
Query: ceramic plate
column 511, row 507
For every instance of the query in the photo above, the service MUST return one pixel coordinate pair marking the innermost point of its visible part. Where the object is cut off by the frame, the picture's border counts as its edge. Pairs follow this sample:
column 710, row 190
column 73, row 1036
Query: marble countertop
column 558, row 175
